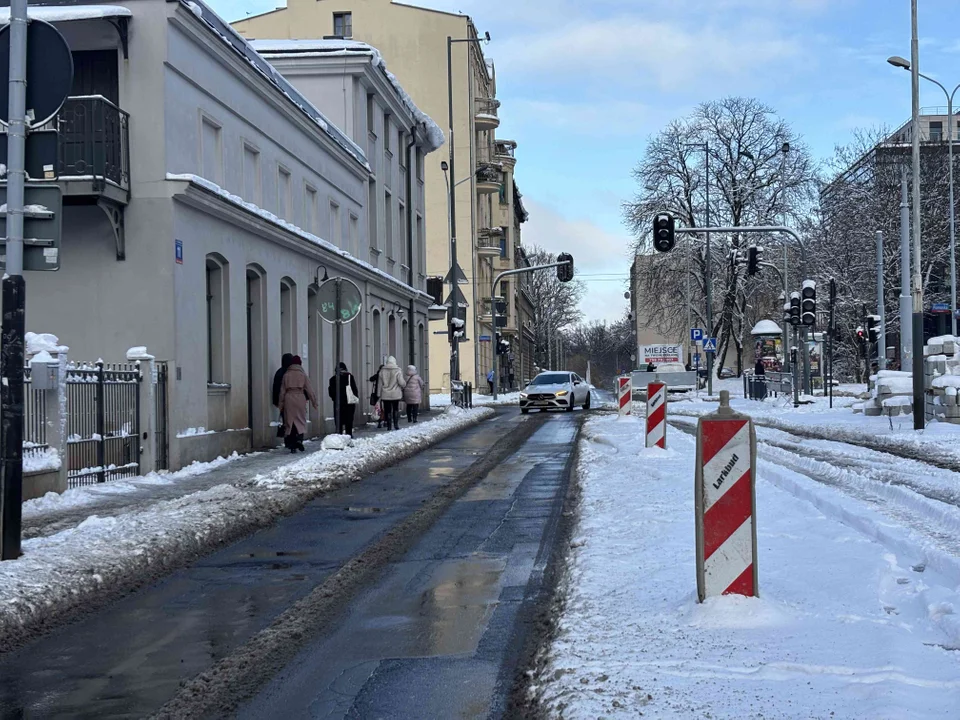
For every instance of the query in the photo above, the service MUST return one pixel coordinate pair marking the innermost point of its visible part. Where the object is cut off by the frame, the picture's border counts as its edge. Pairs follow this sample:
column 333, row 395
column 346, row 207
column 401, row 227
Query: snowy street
column 859, row 572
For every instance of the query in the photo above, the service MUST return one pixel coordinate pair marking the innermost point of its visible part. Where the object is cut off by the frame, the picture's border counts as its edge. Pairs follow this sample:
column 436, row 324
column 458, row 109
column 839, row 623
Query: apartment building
column 206, row 199
column 413, row 41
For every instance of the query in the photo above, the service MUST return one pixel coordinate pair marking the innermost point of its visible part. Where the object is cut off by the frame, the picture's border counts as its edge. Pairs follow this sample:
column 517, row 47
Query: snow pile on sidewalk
column 89, row 564
column 443, row 399
column 845, row 627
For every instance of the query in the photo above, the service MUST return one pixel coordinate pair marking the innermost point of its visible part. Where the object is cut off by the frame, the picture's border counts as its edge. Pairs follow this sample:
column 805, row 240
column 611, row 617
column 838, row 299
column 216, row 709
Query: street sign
column 696, row 334
column 351, row 300
column 696, row 359
column 501, row 321
column 41, row 226
column 484, row 338
column 42, row 154
column 49, row 71
column 940, row 308
column 710, row 345
column 461, row 277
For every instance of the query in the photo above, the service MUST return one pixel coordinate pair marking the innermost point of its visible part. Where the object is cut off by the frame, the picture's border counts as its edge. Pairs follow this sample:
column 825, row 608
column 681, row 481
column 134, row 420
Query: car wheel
column 570, row 406
column 524, row 410
column 586, row 403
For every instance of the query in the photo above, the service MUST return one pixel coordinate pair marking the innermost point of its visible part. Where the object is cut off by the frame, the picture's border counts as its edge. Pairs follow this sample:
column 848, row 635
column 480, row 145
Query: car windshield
column 551, row 379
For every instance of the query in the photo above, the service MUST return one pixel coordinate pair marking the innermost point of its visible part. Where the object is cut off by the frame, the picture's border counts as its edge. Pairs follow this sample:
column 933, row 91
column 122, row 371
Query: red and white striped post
column 657, row 415
column 625, row 395
column 726, row 503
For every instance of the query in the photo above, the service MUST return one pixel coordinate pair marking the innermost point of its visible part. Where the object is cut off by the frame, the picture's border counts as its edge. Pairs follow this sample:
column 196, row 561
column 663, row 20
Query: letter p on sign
column 725, row 503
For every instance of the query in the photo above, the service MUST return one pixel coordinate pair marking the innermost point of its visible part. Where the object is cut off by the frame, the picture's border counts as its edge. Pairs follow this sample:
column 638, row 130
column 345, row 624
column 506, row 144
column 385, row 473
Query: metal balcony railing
column 94, row 140
column 489, row 173
column 487, row 106
column 506, row 149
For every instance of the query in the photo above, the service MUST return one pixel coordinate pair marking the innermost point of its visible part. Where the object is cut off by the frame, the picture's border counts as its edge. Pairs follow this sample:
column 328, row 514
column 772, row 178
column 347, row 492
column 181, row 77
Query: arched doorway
column 377, row 340
column 315, row 353
column 392, row 334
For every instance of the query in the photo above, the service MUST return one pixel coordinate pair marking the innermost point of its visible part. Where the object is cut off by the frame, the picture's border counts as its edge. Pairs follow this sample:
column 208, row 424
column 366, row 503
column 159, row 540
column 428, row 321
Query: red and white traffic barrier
column 725, row 502
column 656, row 415
column 625, row 395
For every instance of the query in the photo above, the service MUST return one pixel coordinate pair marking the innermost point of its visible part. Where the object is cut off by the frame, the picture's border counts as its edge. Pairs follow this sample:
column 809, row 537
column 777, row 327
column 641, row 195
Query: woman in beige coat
column 295, row 391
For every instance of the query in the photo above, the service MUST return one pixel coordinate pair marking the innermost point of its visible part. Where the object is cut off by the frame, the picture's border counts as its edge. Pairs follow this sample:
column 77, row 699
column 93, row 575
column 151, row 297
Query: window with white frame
column 354, row 236
column 372, row 227
column 371, row 114
column 283, row 193
column 402, row 235
column 211, row 150
column 343, row 24
column 421, row 248
column 386, row 134
column 388, row 224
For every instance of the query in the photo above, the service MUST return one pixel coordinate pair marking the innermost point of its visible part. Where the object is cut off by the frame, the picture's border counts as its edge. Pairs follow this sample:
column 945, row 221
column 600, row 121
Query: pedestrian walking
column 651, row 367
column 510, row 379
column 285, row 362
column 295, row 392
column 377, row 408
column 391, row 383
column 413, row 393
column 349, row 399
column 490, row 380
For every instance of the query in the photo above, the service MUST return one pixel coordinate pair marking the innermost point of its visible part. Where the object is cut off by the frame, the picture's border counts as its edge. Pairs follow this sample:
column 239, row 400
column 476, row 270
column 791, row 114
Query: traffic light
column 794, row 308
column 565, row 272
column 861, row 335
column 786, row 307
column 873, row 328
column 502, row 345
column 754, row 257
column 664, row 231
column 809, row 306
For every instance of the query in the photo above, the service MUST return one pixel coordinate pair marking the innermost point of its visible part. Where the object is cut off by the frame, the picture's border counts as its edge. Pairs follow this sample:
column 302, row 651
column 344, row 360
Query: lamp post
column 900, row 62
column 917, row 290
column 708, row 280
column 454, row 312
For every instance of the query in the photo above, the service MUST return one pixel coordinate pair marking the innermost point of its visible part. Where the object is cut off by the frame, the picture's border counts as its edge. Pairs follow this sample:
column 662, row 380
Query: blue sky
column 585, row 83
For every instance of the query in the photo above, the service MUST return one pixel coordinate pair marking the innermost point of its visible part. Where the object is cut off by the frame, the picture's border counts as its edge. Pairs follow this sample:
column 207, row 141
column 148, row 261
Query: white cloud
column 595, row 252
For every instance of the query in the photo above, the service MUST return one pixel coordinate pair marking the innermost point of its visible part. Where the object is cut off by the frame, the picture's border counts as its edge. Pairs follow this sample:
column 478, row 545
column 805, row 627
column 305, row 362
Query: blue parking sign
column 696, row 334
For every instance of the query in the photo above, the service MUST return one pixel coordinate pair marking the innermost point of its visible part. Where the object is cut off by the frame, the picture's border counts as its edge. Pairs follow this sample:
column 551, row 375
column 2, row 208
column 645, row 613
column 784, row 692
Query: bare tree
column 752, row 182
column 556, row 304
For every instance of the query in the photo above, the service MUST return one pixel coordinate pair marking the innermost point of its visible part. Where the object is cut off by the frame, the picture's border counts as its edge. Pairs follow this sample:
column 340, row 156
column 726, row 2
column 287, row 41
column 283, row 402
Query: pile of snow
column 42, row 342
column 336, row 442
column 75, row 568
column 40, row 460
column 942, row 378
column 846, row 625
column 511, row 398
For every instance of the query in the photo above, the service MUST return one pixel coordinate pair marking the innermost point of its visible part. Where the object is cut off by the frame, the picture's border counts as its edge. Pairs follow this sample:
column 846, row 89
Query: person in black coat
column 759, row 368
column 285, row 362
column 345, row 422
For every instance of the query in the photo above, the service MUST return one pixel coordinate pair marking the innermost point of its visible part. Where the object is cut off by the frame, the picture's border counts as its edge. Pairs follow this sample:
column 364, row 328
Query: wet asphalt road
column 435, row 636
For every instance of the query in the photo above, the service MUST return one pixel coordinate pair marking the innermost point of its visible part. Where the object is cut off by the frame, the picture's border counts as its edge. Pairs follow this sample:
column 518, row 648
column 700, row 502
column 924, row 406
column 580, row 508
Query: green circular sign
column 351, row 301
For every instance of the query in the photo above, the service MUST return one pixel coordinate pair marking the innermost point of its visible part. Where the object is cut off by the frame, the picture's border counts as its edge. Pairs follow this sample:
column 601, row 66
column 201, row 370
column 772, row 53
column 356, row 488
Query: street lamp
column 708, row 280
column 917, row 291
column 900, row 62
column 316, row 279
column 454, row 311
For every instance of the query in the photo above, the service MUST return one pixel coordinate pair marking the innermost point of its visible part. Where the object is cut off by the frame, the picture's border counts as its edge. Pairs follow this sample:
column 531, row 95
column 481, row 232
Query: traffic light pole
column 494, row 314
column 882, row 345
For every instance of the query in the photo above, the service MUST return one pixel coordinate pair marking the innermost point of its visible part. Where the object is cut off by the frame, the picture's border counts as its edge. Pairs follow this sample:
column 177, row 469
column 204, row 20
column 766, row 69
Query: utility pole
column 14, row 294
column 918, row 385
column 906, row 301
column 706, row 150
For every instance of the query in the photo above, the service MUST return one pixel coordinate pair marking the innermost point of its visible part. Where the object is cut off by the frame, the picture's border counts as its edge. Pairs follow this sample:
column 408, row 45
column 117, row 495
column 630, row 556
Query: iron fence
column 103, row 422
column 34, row 419
column 162, row 411
column 94, row 140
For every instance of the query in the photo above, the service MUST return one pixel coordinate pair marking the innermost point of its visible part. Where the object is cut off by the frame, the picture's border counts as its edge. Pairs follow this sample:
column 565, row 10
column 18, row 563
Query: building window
column 421, row 248
column 402, row 234
column 372, row 228
column 288, row 316
column 217, row 318
column 388, row 223
column 377, row 331
column 503, row 247
column 335, row 235
column 343, row 24
column 371, row 111
column 419, row 165
column 211, row 152
column 936, row 130
column 392, row 334
column 283, row 192
column 386, row 134
column 310, row 209
column 401, row 148
column 354, row 236
column 251, row 174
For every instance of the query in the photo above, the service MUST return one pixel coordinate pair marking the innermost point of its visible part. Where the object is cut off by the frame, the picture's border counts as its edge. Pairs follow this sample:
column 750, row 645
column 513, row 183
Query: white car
column 555, row 391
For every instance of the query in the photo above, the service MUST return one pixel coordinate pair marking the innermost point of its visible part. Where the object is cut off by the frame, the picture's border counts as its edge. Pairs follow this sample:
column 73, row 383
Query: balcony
column 489, row 178
column 485, row 310
column 489, row 242
column 94, row 149
column 506, row 150
column 485, row 117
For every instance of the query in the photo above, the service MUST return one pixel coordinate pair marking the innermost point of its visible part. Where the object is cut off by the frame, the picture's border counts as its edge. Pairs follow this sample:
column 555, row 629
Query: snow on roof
column 290, row 227
column 342, row 48
column 74, row 12
column 766, row 327
column 243, row 47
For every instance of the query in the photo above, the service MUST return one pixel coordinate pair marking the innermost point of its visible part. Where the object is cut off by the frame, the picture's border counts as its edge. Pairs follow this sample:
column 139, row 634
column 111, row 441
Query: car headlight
column 561, row 393
column 523, row 394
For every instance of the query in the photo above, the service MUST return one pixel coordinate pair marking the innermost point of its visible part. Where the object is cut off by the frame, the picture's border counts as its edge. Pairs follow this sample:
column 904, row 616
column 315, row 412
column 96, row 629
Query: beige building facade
column 413, row 42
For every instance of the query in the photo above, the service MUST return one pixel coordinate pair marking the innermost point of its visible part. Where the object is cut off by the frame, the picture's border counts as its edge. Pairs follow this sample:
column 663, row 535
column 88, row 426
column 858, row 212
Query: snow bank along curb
column 82, row 568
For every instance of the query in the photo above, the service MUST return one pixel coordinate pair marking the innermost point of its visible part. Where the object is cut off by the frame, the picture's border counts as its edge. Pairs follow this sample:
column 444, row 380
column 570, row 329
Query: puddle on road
column 448, row 615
